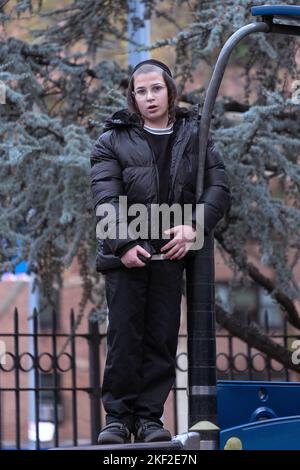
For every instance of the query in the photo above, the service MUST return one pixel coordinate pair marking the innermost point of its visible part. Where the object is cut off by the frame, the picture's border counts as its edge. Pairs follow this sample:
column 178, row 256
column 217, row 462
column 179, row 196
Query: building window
column 249, row 302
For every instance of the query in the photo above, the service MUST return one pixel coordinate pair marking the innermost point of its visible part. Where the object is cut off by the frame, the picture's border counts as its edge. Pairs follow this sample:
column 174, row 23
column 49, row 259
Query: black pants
column 144, row 319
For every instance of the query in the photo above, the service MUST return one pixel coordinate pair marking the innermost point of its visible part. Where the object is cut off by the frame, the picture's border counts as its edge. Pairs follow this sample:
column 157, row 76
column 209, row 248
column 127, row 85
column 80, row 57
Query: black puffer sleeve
column 216, row 193
column 106, row 187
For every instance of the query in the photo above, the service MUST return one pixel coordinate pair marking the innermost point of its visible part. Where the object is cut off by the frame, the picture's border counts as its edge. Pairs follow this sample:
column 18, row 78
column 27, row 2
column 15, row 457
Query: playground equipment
column 252, row 416
column 202, row 387
column 262, row 415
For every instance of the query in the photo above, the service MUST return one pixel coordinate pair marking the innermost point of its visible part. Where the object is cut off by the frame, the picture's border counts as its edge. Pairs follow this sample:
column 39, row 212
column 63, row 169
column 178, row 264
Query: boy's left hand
column 181, row 243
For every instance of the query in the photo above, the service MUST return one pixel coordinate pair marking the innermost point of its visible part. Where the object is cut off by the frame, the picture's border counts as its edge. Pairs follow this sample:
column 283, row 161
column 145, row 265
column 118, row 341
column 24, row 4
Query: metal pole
column 140, row 36
column 202, row 387
column 94, row 373
column 213, row 89
column 33, row 305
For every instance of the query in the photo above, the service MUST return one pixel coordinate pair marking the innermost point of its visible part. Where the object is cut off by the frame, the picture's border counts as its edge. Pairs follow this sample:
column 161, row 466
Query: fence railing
column 44, row 381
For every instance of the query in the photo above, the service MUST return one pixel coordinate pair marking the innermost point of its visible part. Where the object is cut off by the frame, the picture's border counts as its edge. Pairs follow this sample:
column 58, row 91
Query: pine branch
column 3, row 3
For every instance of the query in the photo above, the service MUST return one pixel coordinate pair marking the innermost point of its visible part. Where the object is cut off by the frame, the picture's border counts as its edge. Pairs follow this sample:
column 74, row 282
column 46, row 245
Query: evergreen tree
column 65, row 77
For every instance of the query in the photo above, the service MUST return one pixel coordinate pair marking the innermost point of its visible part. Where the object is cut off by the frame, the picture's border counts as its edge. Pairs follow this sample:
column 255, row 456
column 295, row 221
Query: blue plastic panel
column 241, row 402
column 276, row 10
column 273, row 434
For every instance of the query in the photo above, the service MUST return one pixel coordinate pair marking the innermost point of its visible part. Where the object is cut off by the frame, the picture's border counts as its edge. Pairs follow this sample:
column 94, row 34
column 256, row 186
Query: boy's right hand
column 131, row 260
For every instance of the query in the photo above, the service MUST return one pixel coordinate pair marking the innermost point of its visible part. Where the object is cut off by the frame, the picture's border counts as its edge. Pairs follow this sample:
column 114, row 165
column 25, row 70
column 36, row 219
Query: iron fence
column 38, row 378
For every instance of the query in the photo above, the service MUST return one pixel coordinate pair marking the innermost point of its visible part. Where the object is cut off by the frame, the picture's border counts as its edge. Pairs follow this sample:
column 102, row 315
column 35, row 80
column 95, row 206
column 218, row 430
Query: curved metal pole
column 202, row 389
column 213, row 89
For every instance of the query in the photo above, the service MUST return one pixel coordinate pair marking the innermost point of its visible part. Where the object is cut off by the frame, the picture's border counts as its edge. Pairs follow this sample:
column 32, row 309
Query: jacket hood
column 126, row 118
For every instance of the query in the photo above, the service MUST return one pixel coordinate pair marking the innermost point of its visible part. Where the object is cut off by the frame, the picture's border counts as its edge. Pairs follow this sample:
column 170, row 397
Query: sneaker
column 114, row 433
column 151, row 431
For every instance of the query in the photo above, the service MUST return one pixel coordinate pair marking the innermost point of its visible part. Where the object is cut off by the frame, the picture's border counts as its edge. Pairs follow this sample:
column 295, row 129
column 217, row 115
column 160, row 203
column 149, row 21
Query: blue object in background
column 21, row 267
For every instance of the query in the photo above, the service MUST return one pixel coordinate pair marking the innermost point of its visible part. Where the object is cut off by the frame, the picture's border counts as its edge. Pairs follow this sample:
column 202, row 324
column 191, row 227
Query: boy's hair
column 170, row 84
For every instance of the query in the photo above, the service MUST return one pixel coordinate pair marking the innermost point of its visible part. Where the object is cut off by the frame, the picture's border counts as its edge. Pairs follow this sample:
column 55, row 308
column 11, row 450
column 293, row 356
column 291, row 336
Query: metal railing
column 235, row 361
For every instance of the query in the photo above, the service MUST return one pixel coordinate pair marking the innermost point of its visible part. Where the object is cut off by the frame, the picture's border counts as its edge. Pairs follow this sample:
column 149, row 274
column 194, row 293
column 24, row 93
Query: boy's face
column 151, row 96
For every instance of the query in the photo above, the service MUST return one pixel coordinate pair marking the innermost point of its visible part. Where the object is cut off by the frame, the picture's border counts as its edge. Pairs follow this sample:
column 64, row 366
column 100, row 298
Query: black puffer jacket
column 122, row 163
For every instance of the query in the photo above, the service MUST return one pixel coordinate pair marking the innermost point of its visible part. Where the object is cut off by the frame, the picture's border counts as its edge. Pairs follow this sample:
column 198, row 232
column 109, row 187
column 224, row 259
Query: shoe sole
column 158, row 437
column 109, row 439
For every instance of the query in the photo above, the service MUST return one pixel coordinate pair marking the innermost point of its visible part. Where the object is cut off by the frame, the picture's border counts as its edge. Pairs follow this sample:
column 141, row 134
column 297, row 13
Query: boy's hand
column 131, row 260
column 181, row 243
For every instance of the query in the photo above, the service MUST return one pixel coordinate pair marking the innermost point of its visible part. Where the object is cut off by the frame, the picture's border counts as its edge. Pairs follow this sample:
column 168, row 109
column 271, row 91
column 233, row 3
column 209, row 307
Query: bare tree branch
column 255, row 338
column 253, row 272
